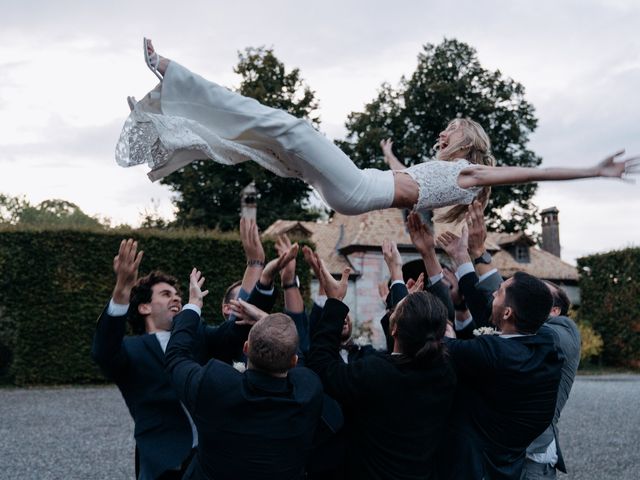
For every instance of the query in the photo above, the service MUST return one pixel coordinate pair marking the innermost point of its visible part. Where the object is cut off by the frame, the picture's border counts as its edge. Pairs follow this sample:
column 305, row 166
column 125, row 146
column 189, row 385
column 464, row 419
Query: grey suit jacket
column 567, row 342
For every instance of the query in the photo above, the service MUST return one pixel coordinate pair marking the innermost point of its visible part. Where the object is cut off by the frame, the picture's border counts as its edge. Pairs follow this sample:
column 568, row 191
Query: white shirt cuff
column 462, row 324
column 195, row 308
column 486, row 275
column 464, row 269
column 117, row 309
column 396, row 282
column 436, row 278
column 320, row 300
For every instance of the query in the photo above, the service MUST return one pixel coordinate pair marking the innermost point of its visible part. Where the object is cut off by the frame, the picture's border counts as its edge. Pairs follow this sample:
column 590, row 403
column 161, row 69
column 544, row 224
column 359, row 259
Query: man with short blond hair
column 256, row 424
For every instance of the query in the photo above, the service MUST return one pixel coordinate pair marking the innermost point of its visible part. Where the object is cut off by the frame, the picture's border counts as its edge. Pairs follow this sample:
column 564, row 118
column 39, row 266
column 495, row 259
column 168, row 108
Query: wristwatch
column 294, row 284
column 484, row 258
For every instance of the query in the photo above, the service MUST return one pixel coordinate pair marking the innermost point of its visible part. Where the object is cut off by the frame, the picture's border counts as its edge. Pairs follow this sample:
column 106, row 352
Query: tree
column 209, row 193
column 49, row 213
column 449, row 82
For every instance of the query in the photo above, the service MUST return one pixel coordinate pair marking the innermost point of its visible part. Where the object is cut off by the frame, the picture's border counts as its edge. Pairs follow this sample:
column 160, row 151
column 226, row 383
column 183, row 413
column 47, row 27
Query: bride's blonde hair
column 475, row 147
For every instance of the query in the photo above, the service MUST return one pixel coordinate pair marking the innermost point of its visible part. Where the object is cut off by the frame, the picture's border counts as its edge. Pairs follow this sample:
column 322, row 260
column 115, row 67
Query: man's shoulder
column 304, row 375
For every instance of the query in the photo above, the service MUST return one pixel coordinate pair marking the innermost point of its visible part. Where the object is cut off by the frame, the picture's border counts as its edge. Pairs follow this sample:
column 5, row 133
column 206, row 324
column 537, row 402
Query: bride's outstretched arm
column 486, row 176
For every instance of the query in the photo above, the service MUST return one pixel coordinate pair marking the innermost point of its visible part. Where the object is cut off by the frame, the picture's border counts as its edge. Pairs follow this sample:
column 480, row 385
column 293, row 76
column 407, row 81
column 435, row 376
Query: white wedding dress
column 187, row 118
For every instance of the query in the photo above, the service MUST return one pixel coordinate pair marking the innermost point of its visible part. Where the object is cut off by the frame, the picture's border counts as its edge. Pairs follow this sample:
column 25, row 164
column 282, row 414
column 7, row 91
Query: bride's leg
column 288, row 145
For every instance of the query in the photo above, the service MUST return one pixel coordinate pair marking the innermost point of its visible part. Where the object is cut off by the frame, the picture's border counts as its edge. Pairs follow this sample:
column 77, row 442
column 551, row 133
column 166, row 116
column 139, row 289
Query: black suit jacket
column 251, row 425
column 506, row 397
column 396, row 409
column 136, row 364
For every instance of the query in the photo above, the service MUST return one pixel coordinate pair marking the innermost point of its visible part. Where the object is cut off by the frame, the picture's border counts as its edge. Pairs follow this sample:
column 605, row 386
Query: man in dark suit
column 543, row 456
column 508, row 384
column 258, row 424
column 396, row 404
column 164, row 432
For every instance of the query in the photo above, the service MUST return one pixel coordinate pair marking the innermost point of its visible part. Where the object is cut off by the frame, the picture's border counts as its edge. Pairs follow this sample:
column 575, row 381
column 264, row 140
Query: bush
column 590, row 342
column 55, row 283
column 610, row 293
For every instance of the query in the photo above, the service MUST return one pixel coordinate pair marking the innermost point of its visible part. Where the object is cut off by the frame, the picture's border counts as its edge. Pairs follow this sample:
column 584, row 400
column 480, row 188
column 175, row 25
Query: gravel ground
column 86, row 432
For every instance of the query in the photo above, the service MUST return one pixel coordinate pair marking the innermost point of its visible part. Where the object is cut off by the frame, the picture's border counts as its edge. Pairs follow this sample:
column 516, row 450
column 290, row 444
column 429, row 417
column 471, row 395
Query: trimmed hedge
column 55, row 283
column 610, row 293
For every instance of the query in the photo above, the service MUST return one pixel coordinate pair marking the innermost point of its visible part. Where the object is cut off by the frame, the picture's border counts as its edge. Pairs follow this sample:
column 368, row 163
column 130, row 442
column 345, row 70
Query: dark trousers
column 169, row 474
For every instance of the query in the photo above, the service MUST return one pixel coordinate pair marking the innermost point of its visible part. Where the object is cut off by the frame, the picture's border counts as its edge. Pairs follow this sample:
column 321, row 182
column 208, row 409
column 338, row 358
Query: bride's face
column 453, row 134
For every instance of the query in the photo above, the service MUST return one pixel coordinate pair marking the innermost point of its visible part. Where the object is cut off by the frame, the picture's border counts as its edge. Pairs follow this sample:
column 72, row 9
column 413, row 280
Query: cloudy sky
column 66, row 68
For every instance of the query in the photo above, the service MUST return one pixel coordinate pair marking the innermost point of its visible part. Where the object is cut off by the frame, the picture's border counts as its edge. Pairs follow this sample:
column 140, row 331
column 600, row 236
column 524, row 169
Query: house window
column 522, row 253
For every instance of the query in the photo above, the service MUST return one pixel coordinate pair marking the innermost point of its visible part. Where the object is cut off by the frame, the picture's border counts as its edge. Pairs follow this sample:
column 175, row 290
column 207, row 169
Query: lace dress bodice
column 438, row 184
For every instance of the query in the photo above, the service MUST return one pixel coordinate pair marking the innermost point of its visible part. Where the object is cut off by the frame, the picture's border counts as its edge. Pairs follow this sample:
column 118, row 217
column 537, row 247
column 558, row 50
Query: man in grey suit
column 543, row 455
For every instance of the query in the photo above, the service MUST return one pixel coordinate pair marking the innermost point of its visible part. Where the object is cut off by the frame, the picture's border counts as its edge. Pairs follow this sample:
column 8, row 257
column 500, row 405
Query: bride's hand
column 387, row 148
column 610, row 168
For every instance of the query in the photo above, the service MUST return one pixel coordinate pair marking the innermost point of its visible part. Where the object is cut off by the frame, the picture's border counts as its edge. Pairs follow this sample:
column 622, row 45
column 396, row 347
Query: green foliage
column 450, row 82
column 209, row 193
column 610, row 303
column 591, row 343
column 49, row 213
column 55, row 283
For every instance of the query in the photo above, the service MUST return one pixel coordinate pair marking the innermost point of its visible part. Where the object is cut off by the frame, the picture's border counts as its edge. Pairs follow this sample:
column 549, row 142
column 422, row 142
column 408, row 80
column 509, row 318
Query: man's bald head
column 272, row 344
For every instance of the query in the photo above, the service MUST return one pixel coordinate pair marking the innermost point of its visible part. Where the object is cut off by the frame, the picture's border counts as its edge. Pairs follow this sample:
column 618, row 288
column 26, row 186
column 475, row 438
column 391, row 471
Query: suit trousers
column 537, row 471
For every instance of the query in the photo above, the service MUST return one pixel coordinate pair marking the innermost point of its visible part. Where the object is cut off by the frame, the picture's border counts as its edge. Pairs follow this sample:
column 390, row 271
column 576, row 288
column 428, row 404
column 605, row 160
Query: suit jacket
column 567, row 342
column 396, row 293
column 251, row 425
column 395, row 408
column 136, row 364
column 506, row 397
column 566, row 338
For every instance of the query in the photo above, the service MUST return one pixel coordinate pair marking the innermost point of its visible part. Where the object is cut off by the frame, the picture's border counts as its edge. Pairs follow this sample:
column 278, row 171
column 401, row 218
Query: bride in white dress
column 186, row 118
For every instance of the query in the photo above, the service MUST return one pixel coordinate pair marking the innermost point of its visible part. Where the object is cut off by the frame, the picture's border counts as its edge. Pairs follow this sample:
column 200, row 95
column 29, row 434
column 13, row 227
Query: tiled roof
column 541, row 264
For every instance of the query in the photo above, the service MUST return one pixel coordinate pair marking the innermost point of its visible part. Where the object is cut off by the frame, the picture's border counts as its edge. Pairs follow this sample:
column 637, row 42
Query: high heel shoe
column 131, row 101
column 153, row 60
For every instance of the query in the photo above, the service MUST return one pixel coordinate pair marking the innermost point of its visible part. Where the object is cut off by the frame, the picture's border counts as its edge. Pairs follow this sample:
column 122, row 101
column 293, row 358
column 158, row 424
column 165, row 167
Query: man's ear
column 555, row 312
column 245, row 348
column 394, row 330
column 144, row 309
column 294, row 361
column 507, row 316
column 226, row 309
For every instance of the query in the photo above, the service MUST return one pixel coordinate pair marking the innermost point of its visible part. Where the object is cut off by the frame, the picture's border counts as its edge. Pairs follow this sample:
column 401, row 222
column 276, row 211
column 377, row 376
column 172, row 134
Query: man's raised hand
column 246, row 313
column 125, row 266
column 332, row 287
column 277, row 264
column 456, row 246
column 393, row 259
column 251, row 243
column 416, row 285
column 420, row 234
column 288, row 271
column 476, row 228
column 196, row 295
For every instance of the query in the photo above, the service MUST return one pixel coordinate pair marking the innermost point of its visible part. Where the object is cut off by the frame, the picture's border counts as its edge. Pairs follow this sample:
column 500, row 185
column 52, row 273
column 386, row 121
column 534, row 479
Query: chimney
column 249, row 202
column 550, row 231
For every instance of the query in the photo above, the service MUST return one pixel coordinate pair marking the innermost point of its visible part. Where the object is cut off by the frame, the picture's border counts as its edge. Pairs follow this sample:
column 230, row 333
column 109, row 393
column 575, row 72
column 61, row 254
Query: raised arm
column 179, row 359
column 253, row 251
column 293, row 302
column 424, row 242
column 106, row 349
column 486, row 176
